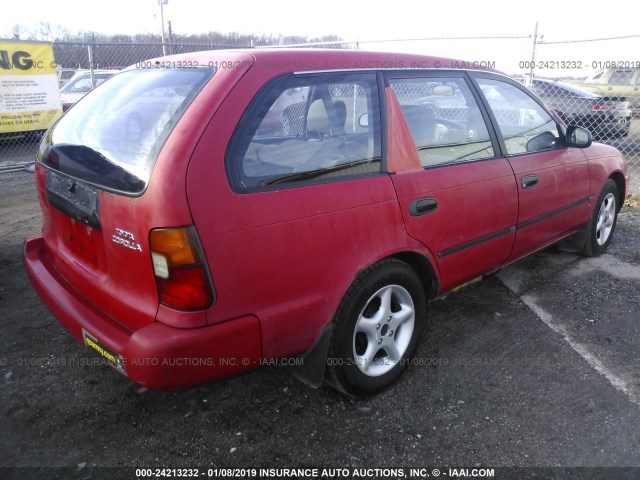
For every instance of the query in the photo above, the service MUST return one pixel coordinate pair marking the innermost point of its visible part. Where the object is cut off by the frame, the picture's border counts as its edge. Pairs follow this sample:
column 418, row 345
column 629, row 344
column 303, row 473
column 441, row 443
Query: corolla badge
column 126, row 239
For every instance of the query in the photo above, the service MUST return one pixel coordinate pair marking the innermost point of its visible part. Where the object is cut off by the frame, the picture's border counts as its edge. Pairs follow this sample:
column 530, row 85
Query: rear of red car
column 119, row 261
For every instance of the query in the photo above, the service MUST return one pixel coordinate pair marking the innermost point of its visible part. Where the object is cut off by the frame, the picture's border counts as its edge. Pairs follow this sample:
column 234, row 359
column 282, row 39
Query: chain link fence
column 612, row 69
column 82, row 67
column 607, row 103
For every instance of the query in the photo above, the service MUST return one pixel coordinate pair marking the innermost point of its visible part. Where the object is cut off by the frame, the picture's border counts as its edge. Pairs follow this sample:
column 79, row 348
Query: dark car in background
column 604, row 117
column 621, row 82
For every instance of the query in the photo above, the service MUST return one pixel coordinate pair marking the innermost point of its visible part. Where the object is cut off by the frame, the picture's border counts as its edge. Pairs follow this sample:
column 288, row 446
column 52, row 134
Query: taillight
column 604, row 106
column 50, row 158
column 178, row 263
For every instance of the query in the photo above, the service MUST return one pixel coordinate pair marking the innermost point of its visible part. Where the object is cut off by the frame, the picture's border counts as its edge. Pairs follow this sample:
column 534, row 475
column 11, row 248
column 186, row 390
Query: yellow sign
column 29, row 91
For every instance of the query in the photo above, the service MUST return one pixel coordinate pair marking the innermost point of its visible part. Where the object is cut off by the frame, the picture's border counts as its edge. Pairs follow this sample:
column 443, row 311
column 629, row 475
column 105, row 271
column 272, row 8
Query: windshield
column 560, row 88
column 113, row 135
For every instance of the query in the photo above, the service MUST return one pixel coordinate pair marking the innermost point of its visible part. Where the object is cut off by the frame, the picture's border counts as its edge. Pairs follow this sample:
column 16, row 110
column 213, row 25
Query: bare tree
column 46, row 32
column 17, row 31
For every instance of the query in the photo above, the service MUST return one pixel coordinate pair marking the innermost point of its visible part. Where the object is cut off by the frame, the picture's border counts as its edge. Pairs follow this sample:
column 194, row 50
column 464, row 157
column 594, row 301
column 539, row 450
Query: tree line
column 71, row 49
column 46, row 32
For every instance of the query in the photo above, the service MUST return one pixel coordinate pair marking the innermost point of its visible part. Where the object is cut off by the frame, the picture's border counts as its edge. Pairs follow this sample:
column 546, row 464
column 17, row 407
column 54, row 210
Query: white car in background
column 66, row 74
column 81, row 84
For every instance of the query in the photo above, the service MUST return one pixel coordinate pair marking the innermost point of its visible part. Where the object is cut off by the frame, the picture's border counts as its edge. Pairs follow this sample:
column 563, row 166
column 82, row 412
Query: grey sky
column 369, row 21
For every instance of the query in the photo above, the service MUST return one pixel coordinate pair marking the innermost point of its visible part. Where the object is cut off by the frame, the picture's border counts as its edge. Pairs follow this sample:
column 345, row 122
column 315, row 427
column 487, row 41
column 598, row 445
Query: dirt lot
column 536, row 367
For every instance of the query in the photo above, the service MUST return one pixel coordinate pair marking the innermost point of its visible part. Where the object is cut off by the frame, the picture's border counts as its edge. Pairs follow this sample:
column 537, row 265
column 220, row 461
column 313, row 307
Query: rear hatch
column 95, row 166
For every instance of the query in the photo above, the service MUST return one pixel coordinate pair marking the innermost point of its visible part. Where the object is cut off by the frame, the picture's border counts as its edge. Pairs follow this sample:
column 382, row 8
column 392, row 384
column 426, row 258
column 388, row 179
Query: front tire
column 376, row 329
column 603, row 220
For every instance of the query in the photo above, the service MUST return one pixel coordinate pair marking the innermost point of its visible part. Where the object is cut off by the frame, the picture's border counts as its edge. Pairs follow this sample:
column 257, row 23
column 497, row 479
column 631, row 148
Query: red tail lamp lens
column 181, row 274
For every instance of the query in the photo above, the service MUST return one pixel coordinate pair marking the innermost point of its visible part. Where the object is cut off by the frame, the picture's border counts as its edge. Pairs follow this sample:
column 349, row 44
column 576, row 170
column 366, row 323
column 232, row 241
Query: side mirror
column 544, row 141
column 578, row 137
column 363, row 120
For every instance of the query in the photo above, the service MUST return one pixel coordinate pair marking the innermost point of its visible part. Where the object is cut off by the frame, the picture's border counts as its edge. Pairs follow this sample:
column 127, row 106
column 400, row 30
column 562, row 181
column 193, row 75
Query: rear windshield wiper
column 289, row 177
column 87, row 164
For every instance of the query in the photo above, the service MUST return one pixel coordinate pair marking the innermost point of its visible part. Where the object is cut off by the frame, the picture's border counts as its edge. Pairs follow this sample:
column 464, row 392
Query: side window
column 82, row 85
column 621, row 77
column 315, row 127
column 525, row 126
column 286, row 115
column 100, row 80
column 444, row 118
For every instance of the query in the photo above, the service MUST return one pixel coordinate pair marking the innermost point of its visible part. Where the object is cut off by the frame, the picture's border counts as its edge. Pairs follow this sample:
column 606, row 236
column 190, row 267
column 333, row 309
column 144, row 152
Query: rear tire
column 603, row 220
column 376, row 329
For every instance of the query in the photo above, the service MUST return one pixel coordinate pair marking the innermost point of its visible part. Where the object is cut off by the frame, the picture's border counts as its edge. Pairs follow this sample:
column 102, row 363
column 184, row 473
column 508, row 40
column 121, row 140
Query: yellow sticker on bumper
column 112, row 358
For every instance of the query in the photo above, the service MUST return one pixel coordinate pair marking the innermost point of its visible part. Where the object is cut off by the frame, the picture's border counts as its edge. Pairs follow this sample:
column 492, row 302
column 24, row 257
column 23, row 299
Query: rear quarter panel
column 121, row 281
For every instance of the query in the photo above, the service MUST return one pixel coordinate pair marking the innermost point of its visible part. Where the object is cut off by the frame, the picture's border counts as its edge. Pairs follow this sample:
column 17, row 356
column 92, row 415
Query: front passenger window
column 526, row 127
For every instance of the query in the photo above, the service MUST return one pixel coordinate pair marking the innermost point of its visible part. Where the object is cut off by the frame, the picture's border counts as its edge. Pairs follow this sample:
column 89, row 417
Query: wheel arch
column 312, row 368
column 618, row 178
column 421, row 265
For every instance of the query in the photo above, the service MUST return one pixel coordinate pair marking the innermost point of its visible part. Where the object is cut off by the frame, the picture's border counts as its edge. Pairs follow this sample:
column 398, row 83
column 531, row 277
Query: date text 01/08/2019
column 578, row 64
column 312, row 472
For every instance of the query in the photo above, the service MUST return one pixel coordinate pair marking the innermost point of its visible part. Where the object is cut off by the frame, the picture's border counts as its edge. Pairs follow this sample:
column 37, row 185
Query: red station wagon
column 188, row 236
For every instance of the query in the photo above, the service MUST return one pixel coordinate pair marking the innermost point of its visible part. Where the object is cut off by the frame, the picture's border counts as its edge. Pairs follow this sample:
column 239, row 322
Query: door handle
column 422, row 206
column 529, row 181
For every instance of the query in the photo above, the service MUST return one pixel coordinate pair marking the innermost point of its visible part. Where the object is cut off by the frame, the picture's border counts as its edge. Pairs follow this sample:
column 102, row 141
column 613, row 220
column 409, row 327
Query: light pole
column 162, row 3
column 529, row 81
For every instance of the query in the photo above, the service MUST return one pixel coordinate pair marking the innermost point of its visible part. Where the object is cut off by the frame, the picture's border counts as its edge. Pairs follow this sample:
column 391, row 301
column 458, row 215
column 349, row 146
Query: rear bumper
column 156, row 356
column 611, row 129
column 604, row 125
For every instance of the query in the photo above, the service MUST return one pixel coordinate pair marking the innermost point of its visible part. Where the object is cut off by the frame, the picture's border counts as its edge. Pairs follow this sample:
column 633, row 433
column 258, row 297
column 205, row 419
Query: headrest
column 317, row 118
column 341, row 112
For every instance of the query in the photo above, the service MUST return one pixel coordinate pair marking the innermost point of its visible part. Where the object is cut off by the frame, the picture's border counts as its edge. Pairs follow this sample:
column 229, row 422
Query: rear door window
column 308, row 128
column 444, row 118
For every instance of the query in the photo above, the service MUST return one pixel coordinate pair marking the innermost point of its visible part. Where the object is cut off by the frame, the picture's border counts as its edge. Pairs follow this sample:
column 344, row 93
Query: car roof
column 312, row 59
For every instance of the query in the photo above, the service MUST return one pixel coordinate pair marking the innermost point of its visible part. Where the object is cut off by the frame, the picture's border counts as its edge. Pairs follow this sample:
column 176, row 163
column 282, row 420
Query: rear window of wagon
column 112, row 137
